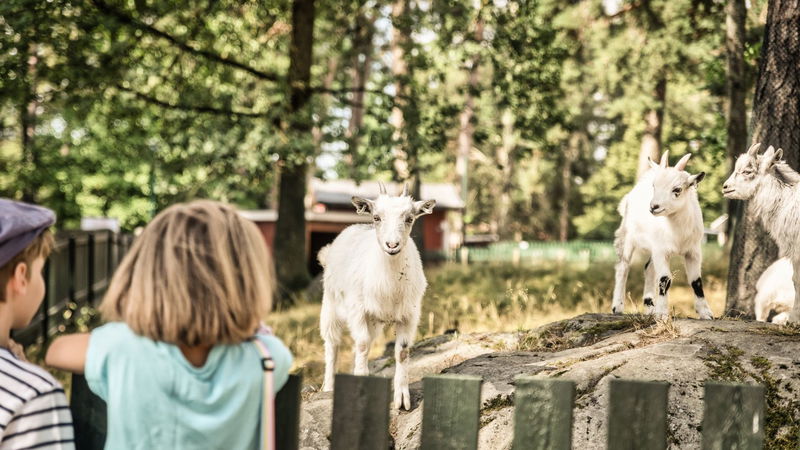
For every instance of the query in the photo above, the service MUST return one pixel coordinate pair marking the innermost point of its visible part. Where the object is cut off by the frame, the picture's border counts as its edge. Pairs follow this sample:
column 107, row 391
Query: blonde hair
column 198, row 274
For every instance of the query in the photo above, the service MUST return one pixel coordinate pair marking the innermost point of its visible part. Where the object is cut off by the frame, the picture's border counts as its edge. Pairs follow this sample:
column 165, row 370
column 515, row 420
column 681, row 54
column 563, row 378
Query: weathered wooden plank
column 287, row 414
column 451, row 414
column 360, row 413
column 733, row 417
column 637, row 415
column 88, row 416
column 543, row 413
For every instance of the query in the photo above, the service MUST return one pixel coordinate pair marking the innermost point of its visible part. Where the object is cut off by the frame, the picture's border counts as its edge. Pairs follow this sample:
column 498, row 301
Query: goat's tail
column 322, row 256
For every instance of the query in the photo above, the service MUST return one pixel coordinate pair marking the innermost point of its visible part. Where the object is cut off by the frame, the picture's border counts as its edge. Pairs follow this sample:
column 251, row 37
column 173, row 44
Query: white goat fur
column 773, row 191
column 661, row 217
column 369, row 282
column 775, row 292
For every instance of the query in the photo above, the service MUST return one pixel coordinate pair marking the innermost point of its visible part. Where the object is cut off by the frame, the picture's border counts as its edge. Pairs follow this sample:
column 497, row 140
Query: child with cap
column 33, row 408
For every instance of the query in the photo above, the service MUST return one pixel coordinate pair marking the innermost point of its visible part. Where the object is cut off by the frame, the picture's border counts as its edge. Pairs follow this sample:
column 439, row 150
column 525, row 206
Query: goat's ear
column 423, row 207
column 768, row 158
column 363, row 206
column 681, row 165
column 694, row 180
column 652, row 163
column 664, row 159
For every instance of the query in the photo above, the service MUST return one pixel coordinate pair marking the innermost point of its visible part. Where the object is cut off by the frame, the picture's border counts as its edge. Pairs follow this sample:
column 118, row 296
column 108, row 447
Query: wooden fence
column 76, row 274
column 637, row 415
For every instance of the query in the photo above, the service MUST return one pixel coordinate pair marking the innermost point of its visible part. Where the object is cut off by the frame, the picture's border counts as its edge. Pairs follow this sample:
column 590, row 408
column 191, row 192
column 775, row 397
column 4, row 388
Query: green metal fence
column 529, row 252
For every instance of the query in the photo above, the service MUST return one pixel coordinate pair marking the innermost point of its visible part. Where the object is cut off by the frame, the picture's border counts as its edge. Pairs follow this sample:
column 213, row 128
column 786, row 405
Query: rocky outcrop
column 591, row 350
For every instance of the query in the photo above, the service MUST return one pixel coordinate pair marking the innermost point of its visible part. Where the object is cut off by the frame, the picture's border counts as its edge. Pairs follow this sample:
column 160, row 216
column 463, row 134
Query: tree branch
column 193, row 108
column 124, row 18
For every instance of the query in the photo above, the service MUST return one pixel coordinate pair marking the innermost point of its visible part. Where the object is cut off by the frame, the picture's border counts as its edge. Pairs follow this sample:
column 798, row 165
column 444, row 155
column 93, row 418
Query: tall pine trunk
column 27, row 122
column 776, row 121
column 290, row 230
column 654, row 121
column 405, row 115
column 576, row 140
column 736, row 14
column 361, row 70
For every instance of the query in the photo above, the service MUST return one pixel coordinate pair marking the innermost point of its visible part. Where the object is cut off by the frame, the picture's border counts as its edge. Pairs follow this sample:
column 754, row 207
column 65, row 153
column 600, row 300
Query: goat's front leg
column 364, row 331
column 404, row 337
column 649, row 287
column 794, row 316
column 693, row 263
column 664, row 277
column 620, row 280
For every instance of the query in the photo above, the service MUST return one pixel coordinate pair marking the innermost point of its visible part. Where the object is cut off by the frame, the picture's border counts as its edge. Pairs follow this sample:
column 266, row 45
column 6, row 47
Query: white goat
column 775, row 292
column 661, row 217
column 373, row 276
column 773, row 189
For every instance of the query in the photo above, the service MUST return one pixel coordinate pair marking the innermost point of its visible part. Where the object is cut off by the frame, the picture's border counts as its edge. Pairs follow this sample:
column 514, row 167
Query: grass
column 502, row 298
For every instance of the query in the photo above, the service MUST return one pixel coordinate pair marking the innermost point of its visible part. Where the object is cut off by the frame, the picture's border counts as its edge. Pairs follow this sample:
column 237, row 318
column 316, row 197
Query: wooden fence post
column 287, row 414
column 733, row 417
column 543, row 413
column 360, row 413
column 637, row 415
column 88, row 415
column 451, row 414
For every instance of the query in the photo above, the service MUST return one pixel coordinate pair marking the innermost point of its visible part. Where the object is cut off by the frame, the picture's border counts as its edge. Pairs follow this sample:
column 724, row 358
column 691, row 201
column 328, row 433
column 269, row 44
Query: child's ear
column 19, row 278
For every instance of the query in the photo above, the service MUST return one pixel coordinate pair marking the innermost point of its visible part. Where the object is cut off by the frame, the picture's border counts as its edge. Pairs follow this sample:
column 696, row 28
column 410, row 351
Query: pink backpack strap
column 268, row 402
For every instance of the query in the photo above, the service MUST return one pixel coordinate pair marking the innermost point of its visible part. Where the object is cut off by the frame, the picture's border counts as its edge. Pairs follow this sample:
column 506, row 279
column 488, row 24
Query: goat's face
column 393, row 218
column 671, row 189
column 743, row 182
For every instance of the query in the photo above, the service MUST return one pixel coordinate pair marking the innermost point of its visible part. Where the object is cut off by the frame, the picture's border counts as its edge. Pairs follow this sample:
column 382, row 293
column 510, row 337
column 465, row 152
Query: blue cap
column 20, row 223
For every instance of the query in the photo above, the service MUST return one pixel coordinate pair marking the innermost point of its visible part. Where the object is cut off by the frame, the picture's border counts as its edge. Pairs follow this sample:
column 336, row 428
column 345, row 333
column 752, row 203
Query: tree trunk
column 776, row 121
column 405, row 115
column 505, row 161
column 571, row 153
column 466, row 130
column 362, row 69
column 290, row 230
column 27, row 122
column 737, row 116
column 654, row 120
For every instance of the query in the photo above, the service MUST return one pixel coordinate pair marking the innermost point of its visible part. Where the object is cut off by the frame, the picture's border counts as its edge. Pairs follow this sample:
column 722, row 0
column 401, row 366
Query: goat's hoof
column 402, row 399
column 616, row 310
column 706, row 315
column 327, row 387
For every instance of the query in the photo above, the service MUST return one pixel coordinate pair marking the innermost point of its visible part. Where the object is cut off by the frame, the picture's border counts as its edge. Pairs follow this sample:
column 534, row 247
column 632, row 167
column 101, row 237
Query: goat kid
column 773, row 190
column 661, row 217
column 372, row 276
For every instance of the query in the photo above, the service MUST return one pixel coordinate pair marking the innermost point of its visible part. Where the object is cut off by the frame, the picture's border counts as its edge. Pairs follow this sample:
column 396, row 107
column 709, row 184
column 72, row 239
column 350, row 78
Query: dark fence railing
column 733, row 416
column 76, row 274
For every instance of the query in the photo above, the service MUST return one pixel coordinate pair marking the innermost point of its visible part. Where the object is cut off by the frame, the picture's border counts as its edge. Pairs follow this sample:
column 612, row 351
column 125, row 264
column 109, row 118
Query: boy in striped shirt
column 33, row 408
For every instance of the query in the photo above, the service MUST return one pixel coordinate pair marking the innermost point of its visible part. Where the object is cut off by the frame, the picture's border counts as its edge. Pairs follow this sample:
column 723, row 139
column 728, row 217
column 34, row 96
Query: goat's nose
column 654, row 207
column 392, row 244
column 725, row 187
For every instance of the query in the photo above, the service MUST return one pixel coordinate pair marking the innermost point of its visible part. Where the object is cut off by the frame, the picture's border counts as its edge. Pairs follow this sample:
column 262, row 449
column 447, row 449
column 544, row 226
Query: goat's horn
column 665, row 159
column 382, row 188
column 754, row 149
column 405, row 189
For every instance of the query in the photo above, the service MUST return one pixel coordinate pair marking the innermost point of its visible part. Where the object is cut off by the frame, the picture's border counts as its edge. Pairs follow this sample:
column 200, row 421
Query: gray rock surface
column 591, row 350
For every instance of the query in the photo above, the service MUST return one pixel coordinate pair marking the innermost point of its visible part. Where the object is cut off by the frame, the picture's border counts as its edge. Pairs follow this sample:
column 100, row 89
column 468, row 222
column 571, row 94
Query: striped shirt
column 33, row 408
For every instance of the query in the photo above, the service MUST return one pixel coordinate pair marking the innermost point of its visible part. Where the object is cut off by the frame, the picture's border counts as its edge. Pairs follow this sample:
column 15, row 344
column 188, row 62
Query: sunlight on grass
column 501, row 298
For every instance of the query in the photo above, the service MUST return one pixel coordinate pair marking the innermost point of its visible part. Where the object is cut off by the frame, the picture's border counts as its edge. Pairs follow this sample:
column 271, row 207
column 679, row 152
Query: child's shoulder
column 24, row 379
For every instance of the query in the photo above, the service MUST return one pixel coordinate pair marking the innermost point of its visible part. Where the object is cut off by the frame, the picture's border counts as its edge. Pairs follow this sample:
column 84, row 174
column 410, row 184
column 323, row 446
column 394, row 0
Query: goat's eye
column 409, row 220
column 676, row 191
column 376, row 218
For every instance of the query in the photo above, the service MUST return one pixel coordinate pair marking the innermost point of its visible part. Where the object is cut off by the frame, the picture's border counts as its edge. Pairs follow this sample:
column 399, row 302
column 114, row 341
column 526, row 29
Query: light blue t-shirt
column 158, row 400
